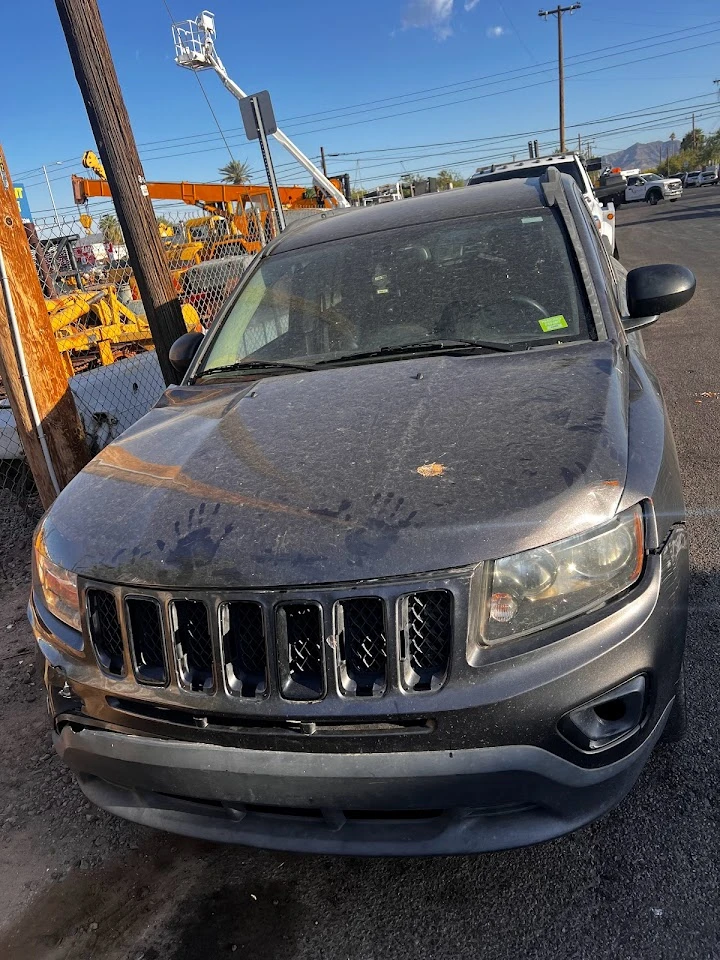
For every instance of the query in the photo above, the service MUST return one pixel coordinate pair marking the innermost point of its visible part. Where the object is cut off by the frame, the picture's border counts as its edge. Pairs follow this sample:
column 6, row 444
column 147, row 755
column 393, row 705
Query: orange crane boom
column 205, row 195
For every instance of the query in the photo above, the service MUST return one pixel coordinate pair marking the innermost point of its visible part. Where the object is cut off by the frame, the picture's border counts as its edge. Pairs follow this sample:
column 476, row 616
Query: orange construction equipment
column 245, row 209
column 205, row 195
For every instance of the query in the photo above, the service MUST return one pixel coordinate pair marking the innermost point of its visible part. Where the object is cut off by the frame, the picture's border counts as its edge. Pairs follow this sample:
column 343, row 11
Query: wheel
column 673, row 199
column 676, row 726
column 653, row 197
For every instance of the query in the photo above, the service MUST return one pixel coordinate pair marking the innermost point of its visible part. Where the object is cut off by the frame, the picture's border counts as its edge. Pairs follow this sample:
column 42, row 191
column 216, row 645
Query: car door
column 635, row 189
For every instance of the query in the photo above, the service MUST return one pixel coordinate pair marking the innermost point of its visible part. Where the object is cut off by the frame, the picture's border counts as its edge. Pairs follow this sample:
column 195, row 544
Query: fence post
column 32, row 369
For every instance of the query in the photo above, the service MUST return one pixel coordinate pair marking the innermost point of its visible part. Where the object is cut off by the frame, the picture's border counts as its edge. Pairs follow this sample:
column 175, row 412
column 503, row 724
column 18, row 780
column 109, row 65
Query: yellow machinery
column 240, row 212
column 96, row 318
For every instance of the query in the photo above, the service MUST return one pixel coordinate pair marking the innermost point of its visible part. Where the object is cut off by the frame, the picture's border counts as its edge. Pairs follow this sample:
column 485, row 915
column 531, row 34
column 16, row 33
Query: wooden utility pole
column 98, row 82
column 32, row 369
column 693, row 132
column 558, row 12
column 322, row 160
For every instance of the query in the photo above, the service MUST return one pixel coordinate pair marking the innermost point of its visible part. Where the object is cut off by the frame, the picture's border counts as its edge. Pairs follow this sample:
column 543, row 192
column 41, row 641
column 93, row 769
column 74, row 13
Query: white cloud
column 471, row 4
column 494, row 32
column 430, row 14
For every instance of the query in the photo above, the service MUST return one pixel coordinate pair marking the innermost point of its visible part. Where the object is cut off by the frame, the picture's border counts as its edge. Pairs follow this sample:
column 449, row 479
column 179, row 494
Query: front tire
column 653, row 197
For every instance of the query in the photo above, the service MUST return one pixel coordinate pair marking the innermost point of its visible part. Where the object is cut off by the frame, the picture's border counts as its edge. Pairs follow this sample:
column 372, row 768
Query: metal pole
column 52, row 198
column 693, row 132
column 322, row 159
column 267, row 160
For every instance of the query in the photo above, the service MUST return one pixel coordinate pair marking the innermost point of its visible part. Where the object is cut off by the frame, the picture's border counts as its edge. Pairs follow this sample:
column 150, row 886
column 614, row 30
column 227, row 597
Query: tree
column 110, row 228
column 446, row 178
column 236, row 171
column 689, row 142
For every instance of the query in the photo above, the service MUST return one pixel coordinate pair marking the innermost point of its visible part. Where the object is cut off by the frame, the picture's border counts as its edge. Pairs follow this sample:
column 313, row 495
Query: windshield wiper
column 444, row 344
column 256, row 365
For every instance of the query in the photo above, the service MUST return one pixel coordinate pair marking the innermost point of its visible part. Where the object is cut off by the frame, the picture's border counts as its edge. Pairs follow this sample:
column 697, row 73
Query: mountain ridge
column 643, row 156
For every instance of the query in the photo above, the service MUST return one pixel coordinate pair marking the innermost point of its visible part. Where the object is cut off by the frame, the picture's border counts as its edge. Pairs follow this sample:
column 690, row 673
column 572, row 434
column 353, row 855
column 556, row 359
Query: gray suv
column 401, row 565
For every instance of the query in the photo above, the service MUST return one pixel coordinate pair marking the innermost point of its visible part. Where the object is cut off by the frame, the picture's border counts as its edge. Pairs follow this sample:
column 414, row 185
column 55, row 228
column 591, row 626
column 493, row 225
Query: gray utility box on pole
column 258, row 118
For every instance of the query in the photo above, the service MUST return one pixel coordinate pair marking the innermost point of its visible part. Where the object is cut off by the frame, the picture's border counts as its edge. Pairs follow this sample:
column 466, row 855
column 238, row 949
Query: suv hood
column 377, row 470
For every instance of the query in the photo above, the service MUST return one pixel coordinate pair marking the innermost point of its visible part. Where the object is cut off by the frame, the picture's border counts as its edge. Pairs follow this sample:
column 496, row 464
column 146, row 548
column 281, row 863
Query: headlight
column 535, row 589
column 57, row 586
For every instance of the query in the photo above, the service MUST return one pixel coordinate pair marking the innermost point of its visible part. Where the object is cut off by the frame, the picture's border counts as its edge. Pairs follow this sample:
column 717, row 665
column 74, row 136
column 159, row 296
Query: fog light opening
column 608, row 719
column 611, row 711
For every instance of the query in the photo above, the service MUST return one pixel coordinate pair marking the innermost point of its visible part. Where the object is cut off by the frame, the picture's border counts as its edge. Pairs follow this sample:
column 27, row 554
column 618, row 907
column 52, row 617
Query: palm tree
column 110, row 228
column 236, row 171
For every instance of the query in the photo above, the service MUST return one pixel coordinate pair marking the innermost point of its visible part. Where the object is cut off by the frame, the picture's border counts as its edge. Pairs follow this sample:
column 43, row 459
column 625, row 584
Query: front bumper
column 491, row 771
column 463, row 801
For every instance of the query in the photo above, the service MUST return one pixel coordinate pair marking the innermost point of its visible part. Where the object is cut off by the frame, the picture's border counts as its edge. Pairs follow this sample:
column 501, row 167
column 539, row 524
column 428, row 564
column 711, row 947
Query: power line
column 386, row 101
column 392, row 116
column 603, row 55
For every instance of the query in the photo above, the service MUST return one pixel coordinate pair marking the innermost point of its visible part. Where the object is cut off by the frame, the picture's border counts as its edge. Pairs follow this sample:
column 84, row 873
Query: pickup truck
column 617, row 188
column 570, row 163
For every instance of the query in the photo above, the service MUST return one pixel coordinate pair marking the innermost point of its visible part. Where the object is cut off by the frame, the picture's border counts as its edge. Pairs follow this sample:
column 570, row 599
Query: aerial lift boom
column 195, row 49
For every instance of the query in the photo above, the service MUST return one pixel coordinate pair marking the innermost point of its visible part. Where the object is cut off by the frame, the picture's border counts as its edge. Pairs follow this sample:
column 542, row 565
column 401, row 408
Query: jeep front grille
column 427, row 627
column 362, row 638
column 105, row 631
column 193, row 645
column 295, row 645
column 147, row 645
column 243, row 647
column 299, row 631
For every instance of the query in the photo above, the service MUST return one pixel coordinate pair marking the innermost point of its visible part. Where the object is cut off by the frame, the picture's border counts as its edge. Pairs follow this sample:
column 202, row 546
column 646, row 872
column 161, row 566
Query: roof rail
column 550, row 181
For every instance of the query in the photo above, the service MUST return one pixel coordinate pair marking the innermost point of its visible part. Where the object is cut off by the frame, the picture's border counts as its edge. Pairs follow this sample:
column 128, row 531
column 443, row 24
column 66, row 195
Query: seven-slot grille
column 105, row 630
column 301, row 648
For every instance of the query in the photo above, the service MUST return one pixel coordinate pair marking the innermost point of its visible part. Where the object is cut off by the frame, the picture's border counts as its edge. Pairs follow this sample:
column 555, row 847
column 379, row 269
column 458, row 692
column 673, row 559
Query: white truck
column 570, row 163
column 627, row 187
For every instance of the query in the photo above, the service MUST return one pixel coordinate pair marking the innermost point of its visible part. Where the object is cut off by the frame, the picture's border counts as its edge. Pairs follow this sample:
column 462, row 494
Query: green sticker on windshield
column 553, row 323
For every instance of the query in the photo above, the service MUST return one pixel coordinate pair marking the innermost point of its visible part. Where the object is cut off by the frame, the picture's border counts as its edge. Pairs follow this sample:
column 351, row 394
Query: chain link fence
column 99, row 321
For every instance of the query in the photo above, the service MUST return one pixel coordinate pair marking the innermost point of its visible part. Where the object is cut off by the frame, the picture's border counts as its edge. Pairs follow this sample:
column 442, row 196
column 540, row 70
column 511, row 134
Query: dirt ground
column 77, row 883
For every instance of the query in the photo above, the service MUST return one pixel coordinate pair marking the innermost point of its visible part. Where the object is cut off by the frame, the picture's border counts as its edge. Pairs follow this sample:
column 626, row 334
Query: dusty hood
column 370, row 471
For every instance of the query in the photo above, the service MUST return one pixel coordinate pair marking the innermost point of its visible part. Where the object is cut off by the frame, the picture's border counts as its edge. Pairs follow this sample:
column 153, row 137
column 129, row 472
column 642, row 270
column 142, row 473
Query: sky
column 391, row 86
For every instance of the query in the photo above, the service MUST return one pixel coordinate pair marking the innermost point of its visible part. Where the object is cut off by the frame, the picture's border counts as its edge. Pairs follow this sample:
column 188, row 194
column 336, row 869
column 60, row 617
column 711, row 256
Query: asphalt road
column 642, row 883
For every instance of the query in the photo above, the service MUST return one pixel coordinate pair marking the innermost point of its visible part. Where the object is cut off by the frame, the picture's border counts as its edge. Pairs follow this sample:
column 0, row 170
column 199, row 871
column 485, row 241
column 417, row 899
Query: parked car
column 401, row 566
column 694, row 178
column 709, row 176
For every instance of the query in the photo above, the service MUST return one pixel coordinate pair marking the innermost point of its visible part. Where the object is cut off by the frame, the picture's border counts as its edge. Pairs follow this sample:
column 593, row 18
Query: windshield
column 505, row 279
column 651, row 176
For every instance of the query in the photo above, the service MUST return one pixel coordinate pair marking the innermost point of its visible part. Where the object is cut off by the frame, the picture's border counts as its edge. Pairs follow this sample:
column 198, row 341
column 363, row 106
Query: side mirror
column 183, row 351
column 655, row 290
